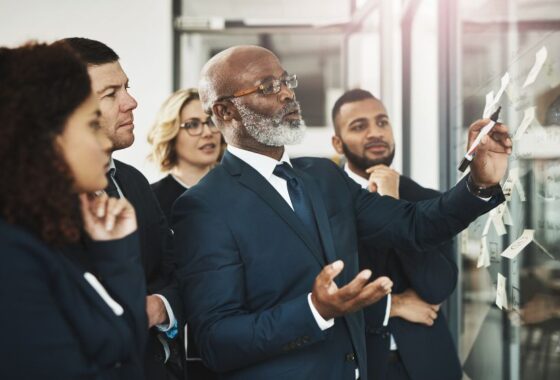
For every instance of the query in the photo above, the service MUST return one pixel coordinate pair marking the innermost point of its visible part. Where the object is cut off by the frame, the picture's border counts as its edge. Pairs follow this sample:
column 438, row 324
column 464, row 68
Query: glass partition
column 509, row 55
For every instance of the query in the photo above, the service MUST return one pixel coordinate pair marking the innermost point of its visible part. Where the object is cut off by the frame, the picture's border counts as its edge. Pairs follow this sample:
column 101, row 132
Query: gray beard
column 271, row 130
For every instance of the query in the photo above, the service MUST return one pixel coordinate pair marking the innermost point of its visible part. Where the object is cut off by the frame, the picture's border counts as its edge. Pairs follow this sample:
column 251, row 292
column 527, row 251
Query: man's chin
column 123, row 141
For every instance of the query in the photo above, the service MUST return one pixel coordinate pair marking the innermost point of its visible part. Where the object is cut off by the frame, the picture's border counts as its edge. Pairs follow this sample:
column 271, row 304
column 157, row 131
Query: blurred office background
column 432, row 63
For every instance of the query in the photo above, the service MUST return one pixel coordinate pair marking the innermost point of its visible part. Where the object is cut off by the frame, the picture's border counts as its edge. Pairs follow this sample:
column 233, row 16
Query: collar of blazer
column 252, row 180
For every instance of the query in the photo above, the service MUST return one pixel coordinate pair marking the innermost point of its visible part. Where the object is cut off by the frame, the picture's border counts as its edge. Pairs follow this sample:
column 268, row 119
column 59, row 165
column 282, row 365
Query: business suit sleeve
column 375, row 313
column 38, row 336
column 211, row 278
column 432, row 274
column 170, row 289
column 25, row 290
column 118, row 266
column 161, row 240
column 386, row 222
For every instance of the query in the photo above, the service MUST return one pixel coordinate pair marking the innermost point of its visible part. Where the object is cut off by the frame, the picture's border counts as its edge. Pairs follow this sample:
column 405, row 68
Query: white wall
column 140, row 31
column 424, row 153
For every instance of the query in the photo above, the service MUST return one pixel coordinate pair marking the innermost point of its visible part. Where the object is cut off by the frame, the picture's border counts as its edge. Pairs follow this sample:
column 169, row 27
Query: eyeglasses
column 195, row 127
column 267, row 87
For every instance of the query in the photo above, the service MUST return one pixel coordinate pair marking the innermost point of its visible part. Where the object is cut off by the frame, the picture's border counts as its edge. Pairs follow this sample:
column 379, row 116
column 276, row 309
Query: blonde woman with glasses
column 185, row 143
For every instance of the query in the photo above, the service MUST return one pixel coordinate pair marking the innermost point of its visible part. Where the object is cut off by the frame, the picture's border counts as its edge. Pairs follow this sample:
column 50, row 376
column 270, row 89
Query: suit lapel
column 251, row 179
column 319, row 210
column 123, row 180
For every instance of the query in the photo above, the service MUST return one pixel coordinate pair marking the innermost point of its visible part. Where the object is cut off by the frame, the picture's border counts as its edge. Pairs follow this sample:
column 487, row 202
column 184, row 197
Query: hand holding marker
column 466, row 161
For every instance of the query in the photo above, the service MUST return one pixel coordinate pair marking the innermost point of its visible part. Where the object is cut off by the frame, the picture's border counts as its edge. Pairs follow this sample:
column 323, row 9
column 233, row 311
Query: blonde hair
column 162, row 135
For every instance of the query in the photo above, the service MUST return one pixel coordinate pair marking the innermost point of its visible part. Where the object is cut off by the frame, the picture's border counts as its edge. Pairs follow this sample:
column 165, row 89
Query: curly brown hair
column 42, row 85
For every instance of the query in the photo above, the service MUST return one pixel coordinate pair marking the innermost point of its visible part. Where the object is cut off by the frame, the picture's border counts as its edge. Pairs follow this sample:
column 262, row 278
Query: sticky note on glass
column 487, row 225
column 498, row 222
column 501, row 295
column 520, row 190
column 503, row 85
column 506, row 216
column 488, row 105
column 528, row 118
column 517, row 246
column 503, row 213
column 484, row 256
column 540, row 59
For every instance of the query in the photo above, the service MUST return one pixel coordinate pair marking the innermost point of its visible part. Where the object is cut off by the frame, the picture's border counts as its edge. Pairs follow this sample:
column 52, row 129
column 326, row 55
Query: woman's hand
column 107, row 218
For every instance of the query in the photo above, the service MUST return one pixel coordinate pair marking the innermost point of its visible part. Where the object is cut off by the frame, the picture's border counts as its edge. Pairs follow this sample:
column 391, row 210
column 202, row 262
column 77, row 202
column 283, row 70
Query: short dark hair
column 92, row 52
column 350, row 96
column 42, row 86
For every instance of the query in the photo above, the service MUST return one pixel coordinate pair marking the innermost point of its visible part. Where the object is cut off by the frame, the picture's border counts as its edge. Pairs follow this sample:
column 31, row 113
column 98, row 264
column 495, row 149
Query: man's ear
column 225, row 111
column 337, row 144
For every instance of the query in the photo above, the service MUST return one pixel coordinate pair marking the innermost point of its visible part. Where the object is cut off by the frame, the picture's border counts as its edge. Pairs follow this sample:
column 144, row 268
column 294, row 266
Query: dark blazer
column 55, row 325
column 156, row 252
column 433, row 275
column 167, row 190
column 245, row 279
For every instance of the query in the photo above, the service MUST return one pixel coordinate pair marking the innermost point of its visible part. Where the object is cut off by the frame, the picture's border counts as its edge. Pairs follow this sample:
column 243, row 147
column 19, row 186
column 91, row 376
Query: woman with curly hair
column 185, row 143
column 71, row 283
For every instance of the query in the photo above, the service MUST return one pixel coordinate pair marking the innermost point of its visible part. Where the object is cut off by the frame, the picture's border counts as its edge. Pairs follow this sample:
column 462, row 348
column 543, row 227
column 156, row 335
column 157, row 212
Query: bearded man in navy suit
column 269, row 272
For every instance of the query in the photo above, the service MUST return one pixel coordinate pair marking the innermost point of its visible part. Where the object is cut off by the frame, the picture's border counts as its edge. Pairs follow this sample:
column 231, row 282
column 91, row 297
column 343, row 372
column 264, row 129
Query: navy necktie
column 300, row 202
column 111, row 188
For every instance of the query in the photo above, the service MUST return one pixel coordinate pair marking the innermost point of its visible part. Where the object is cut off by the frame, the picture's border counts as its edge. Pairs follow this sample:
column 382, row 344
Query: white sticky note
column 465, row 242
column 488, row 105
column 506, row 216
column 517, row 246
column 510, row 183
column 540, row 59
column 528, row 118
column 520, row 190
column 487, row 225
column 507, row 188
column 501, row 295
column 483, row 256
column 503, row 85
column 514, row 173
column 498, row 222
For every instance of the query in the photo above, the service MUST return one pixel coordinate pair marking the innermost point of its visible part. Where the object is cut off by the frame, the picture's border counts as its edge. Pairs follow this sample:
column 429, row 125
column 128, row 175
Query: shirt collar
column 263, row 164
column 112, row 167
column 358, row 179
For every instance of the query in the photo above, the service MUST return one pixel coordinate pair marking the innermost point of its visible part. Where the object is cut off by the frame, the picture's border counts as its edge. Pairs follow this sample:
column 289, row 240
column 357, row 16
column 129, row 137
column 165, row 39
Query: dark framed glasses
column 267, row 87
column 195, row 126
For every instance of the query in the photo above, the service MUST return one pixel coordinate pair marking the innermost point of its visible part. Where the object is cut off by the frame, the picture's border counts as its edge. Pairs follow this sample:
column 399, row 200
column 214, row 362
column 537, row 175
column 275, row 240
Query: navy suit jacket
column 157, row 259
column 154, row 234
column 433, row 275
column 246, row 276
column 55, row 325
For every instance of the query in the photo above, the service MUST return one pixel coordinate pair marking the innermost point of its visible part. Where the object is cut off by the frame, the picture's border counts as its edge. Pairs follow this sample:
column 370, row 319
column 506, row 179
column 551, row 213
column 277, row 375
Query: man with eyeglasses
column 110, row 85
column 270, row 285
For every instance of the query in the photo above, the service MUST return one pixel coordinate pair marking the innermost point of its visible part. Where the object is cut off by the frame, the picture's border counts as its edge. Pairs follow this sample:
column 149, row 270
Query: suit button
column 306, row 339
column 350, row 357
column 117, row 365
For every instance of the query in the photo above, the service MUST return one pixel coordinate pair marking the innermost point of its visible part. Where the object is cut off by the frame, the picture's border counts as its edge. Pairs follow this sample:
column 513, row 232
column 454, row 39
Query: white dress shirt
column 265, row 166
column 364, row 184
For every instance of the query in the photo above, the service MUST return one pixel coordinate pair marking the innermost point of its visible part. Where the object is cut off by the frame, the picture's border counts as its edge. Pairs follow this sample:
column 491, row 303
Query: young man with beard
column 271, row 285
column 403, row 324
column 110, row 84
